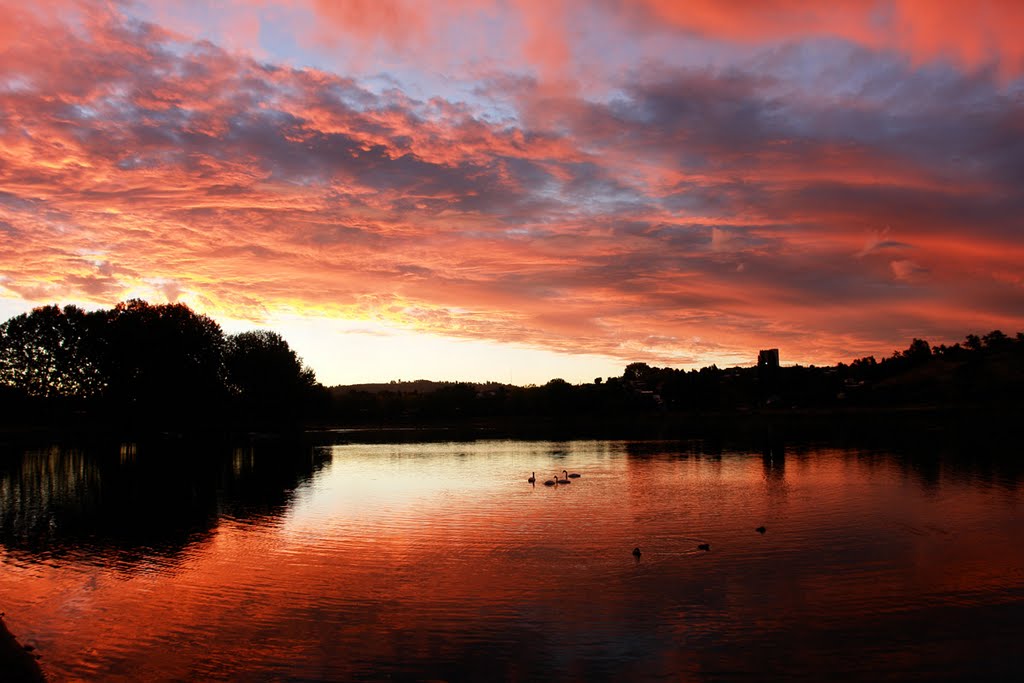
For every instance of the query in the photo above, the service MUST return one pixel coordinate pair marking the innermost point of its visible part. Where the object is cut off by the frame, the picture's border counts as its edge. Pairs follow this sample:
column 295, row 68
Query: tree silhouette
column 162, row 360
column 266, row 376
column 637, row 372
column 996, row 340
column 919, row 351
column 51, row 352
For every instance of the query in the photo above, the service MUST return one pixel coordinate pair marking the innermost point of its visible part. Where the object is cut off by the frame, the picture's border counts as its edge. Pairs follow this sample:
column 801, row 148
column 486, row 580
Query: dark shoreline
column 989, row 429
column 922, row 425
column 16, row 663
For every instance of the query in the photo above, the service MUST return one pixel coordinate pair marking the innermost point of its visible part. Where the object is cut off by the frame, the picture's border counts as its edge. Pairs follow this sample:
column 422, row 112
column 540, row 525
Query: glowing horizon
column 524, row 189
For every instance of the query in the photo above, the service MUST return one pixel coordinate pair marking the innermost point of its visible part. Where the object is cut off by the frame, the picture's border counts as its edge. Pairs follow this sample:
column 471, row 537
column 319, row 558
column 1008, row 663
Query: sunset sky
column 516, row 190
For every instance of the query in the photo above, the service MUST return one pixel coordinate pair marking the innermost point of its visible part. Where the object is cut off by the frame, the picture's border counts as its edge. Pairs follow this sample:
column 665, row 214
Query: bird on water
column 636, row 553
column 563, row 481
column 760, row 530
column 574, row 475
column 533, row 477
column 704, row 546
column 550, row 482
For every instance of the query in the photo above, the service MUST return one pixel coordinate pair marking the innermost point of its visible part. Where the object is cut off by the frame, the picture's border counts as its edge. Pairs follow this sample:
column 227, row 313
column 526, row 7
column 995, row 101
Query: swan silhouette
column 574, row 475
column 533, row 477
column 760, row 530
column 563, row 481
column 636, row 553
column 704, row 546
column 550, row 482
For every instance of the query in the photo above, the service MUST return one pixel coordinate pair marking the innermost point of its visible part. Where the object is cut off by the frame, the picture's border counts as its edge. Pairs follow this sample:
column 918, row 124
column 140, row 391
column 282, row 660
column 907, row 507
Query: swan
column 760, row 530
column 704, row 546
column 574, row 475
column 636, row 553
column 533, row 477
column 549, row 482
column 563, row 481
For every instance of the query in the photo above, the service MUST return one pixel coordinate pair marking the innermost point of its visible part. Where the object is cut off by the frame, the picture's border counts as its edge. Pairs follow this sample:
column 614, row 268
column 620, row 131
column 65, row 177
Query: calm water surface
column 439, row 561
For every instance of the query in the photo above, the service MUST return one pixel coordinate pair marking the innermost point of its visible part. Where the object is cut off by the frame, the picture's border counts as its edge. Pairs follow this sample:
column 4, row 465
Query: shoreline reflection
column 130, row 502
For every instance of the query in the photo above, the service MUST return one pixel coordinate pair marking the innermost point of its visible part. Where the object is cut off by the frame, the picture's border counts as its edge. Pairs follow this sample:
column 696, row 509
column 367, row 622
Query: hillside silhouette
column 983, row 371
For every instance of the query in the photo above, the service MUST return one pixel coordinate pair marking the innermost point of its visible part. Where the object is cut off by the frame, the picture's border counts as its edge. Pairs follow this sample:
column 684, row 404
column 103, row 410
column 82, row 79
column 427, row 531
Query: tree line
column 165, row 366
column 148, row 366
column 982, row 371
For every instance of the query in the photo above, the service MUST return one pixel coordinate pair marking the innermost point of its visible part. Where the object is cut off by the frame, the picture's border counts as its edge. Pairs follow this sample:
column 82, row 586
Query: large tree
column 163, row 358
column 266, row 376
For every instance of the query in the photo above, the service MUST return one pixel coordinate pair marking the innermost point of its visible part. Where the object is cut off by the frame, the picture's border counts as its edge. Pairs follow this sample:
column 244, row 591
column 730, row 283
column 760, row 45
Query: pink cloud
column 549, row 35
column 695, row 203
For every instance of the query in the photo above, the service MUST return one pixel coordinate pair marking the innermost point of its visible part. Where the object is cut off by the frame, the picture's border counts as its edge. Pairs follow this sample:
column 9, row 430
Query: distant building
column 768, row 359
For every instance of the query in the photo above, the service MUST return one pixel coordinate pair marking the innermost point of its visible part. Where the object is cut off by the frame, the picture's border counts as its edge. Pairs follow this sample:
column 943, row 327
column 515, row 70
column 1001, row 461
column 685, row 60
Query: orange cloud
column 692, row 216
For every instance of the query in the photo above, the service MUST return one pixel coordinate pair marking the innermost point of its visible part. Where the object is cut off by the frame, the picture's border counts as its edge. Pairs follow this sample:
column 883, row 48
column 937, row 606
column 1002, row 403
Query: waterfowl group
column 566, row 479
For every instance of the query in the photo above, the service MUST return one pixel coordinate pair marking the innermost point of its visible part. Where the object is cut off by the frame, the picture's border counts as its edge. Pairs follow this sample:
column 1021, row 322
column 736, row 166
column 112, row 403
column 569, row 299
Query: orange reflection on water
column 440, row 561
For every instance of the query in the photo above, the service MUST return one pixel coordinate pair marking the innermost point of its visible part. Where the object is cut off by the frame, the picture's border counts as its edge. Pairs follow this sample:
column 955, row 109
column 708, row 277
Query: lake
column 438, row 561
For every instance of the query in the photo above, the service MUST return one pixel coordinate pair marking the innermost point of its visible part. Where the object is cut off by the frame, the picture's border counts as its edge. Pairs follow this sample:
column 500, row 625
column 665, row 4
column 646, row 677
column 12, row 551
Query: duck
column 563, row 481
column 533, row 477
column 704, row 546
column 760, row 529
column 636, row 553
column 551, row 482
column 574, row 475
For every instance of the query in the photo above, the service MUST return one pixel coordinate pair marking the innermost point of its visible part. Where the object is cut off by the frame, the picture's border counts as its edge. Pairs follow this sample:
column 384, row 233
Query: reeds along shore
column 16, row 664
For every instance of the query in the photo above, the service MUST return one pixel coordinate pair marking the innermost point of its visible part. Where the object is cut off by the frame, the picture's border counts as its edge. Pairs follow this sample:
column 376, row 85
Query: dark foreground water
column 439, row 561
